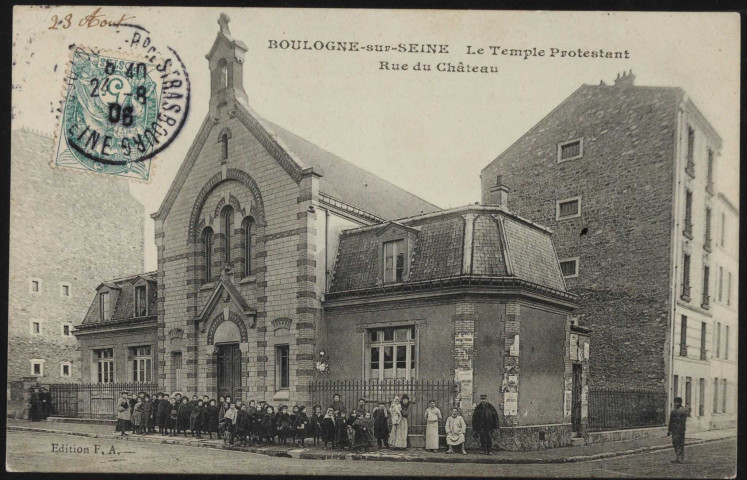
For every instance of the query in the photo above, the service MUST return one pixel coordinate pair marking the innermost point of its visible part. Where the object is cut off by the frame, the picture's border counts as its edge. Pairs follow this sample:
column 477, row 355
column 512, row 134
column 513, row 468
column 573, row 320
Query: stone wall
column 66, row 227
column 622, row 237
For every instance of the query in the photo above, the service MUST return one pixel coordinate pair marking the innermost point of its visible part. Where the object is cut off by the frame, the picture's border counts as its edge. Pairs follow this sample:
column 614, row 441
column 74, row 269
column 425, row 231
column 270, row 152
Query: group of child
column 248, row 424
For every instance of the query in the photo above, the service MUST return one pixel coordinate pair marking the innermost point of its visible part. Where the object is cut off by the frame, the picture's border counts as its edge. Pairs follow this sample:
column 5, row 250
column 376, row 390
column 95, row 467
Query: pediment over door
column 225, row 294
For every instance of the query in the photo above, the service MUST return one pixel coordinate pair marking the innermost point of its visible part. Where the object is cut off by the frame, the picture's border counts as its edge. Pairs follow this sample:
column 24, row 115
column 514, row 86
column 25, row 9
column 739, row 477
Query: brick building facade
column 68, row 230
column 626, row 177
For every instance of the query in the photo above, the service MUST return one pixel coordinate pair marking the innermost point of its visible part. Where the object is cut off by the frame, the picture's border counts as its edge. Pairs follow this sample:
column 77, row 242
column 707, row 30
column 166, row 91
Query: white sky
column 428, row 132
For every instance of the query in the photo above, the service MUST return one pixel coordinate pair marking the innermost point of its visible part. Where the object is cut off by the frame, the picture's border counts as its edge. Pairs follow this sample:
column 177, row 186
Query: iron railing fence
column 621, row 408
column 373, row 391
column 93, row 400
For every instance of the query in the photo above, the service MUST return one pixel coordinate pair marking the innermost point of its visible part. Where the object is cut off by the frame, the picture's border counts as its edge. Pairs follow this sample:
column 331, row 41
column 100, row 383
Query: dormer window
column 141, row 304
column 104, row 306
column 394, row 261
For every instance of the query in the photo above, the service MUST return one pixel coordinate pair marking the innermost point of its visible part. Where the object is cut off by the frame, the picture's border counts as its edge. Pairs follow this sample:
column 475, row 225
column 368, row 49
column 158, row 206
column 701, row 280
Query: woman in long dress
column 432, row 419
column 398, row 434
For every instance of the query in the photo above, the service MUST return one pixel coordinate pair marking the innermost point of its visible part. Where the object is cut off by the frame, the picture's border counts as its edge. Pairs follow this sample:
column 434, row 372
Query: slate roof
column 504, row 246
column 351, row 184
column 123, row 308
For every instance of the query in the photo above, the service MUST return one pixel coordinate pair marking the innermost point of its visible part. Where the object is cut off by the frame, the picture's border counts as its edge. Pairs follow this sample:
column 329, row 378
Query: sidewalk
column 556, row 455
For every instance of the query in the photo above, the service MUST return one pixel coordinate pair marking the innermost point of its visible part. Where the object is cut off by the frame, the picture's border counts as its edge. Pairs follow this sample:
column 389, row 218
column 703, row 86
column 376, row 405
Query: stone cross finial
column 223, row 22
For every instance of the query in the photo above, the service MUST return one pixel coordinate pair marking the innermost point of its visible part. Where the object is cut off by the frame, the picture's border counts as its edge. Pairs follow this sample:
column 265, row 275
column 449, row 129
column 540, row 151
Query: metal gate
column 373, row 391
column 92, row 400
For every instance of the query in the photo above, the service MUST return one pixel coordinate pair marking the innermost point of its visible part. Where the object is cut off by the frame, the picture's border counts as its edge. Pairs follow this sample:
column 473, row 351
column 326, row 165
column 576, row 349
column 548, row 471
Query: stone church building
column 272, row 250
column 244, row 238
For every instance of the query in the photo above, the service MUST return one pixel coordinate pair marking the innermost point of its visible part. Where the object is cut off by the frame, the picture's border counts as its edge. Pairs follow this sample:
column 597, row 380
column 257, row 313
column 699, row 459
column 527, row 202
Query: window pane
column 388, row 357
column 570, row 150
column 568, row 268
column 374, row 335
column 374, row 358
column 569, row 208
column 388, row 334
column 389, row 261
column 412, row 358
column 401, row 356
column 412, row 333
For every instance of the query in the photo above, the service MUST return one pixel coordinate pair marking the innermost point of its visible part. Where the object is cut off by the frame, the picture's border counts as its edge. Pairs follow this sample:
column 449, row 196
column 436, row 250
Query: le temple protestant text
column 445, row 49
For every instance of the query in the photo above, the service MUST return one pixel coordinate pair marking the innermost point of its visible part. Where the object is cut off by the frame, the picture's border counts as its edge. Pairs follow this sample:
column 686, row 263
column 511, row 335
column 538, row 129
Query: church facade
column 244, row 237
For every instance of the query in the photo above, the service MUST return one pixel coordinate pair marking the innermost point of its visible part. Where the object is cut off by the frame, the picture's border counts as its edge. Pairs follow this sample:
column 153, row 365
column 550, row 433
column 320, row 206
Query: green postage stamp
column 109, row 121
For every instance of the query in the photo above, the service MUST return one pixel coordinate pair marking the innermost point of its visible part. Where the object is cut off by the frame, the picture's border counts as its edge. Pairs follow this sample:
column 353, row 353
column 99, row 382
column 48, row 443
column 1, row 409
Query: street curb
column 307, row 455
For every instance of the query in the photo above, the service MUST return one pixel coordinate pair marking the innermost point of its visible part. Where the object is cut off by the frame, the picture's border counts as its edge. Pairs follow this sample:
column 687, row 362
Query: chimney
column 625, row 80
column 499, row 193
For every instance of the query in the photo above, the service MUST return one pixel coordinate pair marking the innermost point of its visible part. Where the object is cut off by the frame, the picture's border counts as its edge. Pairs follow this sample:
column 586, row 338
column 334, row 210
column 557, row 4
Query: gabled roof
column 495, row 244
column 340, row 179
column 350, row 183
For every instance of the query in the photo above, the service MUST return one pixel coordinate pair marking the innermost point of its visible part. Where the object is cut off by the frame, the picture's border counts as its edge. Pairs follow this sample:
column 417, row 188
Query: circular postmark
column 121, row 108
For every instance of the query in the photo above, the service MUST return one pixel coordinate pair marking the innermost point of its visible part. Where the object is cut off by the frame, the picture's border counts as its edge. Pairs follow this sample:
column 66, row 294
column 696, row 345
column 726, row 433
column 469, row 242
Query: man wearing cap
column 677, row 420
column 484, row 421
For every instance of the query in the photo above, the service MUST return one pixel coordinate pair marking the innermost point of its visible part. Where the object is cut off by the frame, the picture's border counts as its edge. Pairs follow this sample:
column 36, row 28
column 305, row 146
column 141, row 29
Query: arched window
column 227, row 224
column 248, row 231
column 222, row 74
column 224, row 140
column 207, row 243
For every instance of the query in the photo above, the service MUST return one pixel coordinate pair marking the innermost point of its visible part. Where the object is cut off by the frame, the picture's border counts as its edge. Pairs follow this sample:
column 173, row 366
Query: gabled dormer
column 143, row 291
column 395, row 247
column 107, row 294
column 226, row 62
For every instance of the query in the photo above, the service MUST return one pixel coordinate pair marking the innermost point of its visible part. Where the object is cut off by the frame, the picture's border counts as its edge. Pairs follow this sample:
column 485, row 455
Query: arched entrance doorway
column 228, row 374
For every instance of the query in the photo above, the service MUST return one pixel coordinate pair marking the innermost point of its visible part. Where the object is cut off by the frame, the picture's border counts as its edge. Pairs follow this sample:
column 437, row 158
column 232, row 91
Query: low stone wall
column 630, row 434
column 529, row 438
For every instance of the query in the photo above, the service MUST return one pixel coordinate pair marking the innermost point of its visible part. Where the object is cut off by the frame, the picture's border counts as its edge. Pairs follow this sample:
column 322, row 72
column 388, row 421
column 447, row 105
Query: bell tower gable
column 226, row 63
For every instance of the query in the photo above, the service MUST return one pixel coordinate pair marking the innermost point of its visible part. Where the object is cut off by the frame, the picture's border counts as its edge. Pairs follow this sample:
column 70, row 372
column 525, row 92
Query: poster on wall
column 510, row 403
column 567, row 403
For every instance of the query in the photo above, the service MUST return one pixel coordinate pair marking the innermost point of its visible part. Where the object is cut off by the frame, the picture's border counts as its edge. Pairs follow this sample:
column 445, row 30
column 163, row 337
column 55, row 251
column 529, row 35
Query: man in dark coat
column 46, row 399
column 35, row 409
column 677, row 420
column 484, row 421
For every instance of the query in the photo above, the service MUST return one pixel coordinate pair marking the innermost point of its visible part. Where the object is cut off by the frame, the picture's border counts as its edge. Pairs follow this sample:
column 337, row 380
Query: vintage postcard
column 458, row 243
